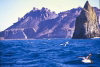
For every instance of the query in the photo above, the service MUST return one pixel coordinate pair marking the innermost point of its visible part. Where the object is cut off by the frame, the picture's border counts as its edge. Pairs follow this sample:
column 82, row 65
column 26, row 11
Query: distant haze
column 10, row 10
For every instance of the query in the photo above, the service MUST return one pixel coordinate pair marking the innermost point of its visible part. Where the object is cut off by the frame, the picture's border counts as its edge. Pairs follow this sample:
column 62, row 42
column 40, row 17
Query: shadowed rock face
column 86, row 25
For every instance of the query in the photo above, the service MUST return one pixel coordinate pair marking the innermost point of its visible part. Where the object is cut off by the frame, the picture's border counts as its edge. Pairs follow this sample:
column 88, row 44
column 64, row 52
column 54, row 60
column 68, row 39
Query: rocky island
column 44, row 23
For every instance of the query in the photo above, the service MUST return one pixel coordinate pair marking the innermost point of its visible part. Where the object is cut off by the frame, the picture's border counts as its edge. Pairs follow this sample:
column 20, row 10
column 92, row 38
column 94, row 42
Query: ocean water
column 49, row 53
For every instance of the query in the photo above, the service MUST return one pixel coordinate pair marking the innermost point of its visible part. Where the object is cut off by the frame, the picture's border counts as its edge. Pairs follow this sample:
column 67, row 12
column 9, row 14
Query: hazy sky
column 10, row 10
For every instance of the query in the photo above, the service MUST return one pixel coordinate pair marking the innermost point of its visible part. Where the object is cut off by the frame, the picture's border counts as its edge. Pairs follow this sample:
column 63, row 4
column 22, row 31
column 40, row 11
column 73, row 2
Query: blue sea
column 49, row 53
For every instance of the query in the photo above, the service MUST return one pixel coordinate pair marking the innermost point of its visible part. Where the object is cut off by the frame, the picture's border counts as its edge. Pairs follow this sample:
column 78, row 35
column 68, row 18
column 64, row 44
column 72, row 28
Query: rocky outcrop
column 87, row 25
column 43, row 23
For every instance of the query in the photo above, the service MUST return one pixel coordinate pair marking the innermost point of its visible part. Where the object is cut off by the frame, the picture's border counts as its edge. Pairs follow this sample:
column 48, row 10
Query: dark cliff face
column 86, row 25
column 44, row 24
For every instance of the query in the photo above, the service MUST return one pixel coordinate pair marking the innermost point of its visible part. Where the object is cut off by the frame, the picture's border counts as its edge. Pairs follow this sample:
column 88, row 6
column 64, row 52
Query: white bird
column 87, row 59
column 65, row 43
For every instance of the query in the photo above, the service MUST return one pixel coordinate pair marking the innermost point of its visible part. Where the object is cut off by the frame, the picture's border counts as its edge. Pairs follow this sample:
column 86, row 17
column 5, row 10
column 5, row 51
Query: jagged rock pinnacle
column 86, row 25
column 87, row 5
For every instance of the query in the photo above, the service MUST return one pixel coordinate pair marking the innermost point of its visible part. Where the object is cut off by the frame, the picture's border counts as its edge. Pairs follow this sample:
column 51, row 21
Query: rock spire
column 86, row 25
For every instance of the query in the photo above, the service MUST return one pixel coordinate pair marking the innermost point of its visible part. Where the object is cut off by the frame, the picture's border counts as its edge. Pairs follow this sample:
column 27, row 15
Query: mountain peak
column 87, row 5
column 44, row 9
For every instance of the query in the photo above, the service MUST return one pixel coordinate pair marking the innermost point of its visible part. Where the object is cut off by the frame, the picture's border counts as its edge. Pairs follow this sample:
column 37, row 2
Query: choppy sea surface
column 49, row 53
